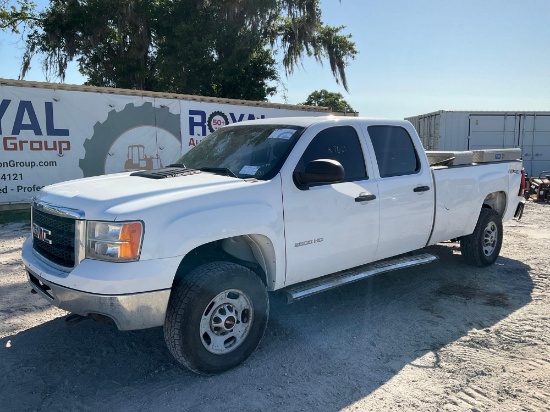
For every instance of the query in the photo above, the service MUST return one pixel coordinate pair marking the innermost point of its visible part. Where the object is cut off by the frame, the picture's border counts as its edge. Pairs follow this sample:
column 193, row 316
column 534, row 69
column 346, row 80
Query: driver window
column 339, row 143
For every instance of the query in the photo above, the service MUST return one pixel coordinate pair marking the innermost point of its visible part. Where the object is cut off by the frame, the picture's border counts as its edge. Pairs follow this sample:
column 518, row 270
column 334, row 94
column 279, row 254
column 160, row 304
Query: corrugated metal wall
column 462, row 130
column 428, row 128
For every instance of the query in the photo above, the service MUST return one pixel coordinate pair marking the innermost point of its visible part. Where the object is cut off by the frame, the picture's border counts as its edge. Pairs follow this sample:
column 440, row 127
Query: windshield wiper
column 224, row 171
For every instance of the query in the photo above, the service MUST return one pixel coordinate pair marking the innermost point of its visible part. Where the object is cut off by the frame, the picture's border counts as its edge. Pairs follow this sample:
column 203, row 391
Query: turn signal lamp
column 114, row 241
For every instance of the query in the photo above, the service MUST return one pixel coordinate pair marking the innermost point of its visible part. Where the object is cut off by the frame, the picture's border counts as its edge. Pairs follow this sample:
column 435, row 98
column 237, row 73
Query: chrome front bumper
column 129, row 312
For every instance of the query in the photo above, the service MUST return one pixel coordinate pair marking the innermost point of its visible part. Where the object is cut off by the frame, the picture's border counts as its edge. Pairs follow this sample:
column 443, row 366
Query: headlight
column 114, row 241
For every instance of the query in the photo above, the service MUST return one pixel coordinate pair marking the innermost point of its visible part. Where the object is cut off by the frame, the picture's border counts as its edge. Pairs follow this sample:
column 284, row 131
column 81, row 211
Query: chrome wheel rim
column 490, row 236
column 226, row 321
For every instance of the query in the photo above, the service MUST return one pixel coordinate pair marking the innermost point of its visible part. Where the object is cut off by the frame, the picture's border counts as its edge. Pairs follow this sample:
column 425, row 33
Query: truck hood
column 109, row 196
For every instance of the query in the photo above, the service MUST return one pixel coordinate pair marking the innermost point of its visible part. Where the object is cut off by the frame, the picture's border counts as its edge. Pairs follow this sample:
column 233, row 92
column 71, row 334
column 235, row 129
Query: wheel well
column 252, row 251
column 496, row 201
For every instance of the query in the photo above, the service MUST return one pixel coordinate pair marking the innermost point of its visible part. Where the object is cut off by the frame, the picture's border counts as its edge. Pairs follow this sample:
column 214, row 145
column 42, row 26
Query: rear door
column 405, row 188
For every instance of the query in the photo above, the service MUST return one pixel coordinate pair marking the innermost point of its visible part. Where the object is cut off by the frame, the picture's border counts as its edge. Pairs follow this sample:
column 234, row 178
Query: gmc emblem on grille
column 41, row 234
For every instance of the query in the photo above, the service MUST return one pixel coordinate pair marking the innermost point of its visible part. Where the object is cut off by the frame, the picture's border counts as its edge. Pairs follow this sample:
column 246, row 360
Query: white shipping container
column 465, row 130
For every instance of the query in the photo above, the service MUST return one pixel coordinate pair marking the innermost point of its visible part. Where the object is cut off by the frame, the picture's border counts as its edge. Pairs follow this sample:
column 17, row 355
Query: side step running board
column 302, row 290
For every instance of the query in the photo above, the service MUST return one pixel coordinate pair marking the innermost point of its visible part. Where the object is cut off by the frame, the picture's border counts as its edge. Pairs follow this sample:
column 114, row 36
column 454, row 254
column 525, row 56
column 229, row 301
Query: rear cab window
column 394, row 150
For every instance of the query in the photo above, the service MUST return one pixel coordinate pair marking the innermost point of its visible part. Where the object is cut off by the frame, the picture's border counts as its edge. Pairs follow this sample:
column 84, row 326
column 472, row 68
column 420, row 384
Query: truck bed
column 463, row 188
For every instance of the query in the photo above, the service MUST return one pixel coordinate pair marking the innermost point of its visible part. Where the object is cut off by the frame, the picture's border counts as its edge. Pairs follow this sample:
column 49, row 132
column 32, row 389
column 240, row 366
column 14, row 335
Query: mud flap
column 519, row 211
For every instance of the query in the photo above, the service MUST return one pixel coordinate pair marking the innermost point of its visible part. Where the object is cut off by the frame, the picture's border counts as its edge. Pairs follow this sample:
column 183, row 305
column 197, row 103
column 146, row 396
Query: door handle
column 421, row 189
column 364, row 197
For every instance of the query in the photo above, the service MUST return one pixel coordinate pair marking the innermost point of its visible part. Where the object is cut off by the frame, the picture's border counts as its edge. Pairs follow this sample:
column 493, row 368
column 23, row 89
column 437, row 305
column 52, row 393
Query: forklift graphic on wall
column 138, row 160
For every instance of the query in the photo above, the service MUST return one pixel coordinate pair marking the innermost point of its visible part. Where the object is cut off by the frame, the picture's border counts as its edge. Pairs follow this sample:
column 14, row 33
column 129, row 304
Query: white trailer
column 56, row 132
column 465, row 130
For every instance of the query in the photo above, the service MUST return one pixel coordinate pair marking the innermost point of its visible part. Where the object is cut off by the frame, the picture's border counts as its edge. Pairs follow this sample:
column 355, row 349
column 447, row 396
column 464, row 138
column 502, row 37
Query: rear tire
column 482, row 247
column 216, row 317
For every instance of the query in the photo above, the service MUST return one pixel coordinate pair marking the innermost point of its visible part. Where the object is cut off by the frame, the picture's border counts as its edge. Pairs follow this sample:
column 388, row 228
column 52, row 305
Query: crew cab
column 296, row 205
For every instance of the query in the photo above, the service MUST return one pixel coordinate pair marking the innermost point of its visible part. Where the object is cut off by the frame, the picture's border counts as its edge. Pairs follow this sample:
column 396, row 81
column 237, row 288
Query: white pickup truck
column 298, row 205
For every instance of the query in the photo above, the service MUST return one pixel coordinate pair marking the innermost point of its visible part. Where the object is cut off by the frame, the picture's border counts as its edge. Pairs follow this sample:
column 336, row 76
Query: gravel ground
column 442, row 337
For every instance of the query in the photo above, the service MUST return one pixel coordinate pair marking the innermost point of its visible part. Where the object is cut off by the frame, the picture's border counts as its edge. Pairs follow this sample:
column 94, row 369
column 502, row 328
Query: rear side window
column 339, row 143
column 394, row 151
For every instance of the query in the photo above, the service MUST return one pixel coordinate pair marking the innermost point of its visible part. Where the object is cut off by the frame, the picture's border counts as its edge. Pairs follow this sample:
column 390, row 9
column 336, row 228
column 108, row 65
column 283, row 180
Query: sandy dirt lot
column 443, row 337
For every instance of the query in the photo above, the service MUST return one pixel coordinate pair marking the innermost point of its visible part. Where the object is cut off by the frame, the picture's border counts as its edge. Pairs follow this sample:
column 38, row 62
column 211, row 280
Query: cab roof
column 311, row 120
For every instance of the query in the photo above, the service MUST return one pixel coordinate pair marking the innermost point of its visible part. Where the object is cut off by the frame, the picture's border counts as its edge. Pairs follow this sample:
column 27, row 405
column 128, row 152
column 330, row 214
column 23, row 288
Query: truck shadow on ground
column 323, row 353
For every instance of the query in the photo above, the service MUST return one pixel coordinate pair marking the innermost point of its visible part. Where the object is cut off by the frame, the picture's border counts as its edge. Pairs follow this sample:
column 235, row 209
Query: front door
column 328, row 227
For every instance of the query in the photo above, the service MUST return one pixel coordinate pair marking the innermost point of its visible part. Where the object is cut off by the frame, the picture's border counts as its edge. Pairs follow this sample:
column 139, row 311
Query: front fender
column 256, row 211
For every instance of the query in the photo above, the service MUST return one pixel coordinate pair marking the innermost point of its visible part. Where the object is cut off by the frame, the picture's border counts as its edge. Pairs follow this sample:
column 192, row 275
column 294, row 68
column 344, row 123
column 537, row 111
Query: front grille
column 58, row 245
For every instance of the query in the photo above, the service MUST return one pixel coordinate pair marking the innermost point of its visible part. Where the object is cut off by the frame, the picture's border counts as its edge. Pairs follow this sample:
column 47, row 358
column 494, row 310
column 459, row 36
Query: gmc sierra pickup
column 298, row 205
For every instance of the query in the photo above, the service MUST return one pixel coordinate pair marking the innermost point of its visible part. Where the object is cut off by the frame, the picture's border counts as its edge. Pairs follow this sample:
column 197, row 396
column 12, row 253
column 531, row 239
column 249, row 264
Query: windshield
column 244, row 151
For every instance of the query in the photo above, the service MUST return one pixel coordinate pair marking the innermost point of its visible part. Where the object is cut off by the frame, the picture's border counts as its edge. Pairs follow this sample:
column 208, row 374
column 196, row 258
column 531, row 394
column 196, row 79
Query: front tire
column 482, row 247
column 216, row 317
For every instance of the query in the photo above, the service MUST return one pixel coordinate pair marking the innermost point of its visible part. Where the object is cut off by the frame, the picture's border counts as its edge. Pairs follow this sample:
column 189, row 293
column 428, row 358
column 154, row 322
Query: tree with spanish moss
column 222, row 48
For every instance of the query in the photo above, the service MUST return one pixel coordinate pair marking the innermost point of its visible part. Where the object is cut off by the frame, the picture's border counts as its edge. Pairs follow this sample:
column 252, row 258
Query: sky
column 415, row 57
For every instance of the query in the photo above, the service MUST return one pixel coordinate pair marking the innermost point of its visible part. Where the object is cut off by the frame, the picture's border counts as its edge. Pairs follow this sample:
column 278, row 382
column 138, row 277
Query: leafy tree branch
column 223, row 48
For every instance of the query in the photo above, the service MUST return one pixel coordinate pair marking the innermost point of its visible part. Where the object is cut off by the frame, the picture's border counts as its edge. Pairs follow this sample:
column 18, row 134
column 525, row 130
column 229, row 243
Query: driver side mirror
column 319, row 171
